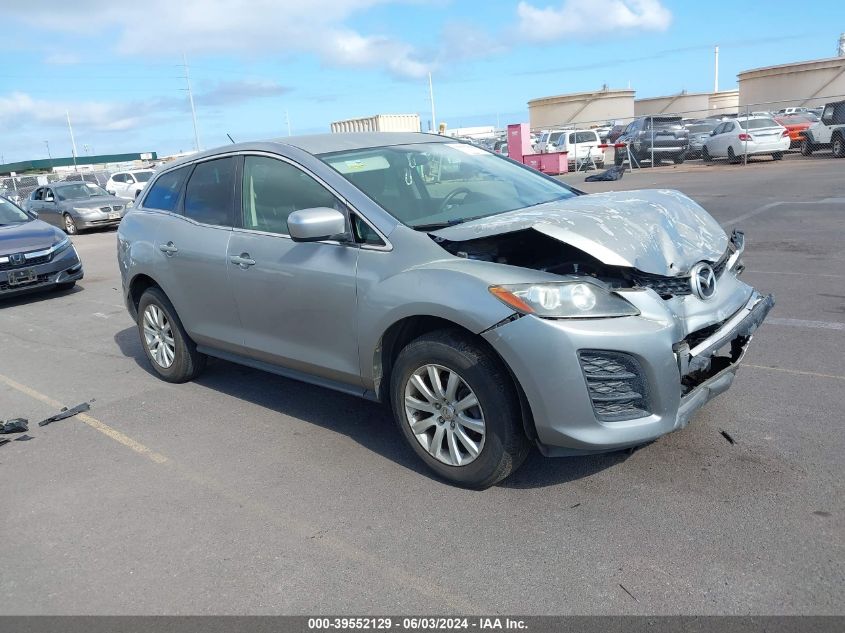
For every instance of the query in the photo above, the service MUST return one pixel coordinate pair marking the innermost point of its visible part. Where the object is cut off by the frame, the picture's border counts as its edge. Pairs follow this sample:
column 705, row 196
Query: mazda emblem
column 703, row 280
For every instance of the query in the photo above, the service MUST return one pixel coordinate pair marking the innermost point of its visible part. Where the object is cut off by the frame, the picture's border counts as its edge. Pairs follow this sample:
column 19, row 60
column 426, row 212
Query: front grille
column 616, row 385
column 26, row 263
column 668, row 287
column 105, row 209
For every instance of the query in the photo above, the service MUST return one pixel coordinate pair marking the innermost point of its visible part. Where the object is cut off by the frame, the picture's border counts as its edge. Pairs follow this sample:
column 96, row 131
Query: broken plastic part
column 15, row 425
column 66, row 413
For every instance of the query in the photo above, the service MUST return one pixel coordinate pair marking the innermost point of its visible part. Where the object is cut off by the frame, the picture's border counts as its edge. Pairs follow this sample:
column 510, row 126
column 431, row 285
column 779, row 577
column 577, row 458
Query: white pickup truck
column 829, row 132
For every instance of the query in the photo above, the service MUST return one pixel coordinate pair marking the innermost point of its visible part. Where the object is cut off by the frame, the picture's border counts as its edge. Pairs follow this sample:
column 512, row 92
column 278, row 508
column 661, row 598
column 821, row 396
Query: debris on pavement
column 614, row 173
column 4, row 440
column 728, row 437
column 15, row 425
column 66, row 413
column 628, row 592
column 24, row 438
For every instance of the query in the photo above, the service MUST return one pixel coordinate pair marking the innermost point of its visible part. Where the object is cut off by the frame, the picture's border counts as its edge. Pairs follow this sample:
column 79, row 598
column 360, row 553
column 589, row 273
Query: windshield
column 82, row 191
column 757, row 124
column 142, row 176
column 11, row 214
column 427, row 185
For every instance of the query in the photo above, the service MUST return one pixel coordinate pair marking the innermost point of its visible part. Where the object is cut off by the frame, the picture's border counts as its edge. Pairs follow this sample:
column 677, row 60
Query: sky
column 262, row 68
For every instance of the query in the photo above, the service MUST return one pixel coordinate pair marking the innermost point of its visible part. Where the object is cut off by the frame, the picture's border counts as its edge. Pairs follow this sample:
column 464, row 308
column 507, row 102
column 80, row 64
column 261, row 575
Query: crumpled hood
column 29, row 236
column 657, row 231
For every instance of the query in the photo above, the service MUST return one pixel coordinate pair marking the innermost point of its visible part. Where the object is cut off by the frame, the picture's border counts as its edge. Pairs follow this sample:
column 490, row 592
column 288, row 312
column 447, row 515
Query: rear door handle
column 169, row 249
column 243, row 260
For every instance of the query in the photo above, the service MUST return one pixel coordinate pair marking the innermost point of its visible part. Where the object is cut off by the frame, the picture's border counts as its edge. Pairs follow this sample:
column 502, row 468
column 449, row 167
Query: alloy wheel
column 158, row 336
column 444, row 415
column 70, row 225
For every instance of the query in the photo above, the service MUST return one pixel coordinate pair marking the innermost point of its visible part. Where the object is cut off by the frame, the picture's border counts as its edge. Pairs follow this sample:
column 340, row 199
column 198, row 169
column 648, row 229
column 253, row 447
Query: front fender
column 458, row 297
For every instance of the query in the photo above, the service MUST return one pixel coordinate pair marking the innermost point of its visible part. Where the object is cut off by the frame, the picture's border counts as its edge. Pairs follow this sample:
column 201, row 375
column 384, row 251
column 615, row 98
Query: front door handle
column 243, row 260
column 169, row 249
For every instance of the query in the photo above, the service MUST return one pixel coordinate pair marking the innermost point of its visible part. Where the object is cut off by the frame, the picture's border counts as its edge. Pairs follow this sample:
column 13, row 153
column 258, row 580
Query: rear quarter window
column 164, row 193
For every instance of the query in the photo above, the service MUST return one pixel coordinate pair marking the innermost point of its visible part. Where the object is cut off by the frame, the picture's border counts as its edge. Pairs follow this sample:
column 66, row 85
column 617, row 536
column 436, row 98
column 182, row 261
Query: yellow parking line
column 795, row 371
column 94, row 423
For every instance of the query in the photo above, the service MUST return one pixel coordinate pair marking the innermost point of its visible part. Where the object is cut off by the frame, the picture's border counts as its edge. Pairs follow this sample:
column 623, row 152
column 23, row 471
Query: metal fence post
column 651, row 123
column 747, row 128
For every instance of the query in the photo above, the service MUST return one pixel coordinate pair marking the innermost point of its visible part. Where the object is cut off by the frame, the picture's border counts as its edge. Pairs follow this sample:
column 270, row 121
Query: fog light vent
column 616, row 385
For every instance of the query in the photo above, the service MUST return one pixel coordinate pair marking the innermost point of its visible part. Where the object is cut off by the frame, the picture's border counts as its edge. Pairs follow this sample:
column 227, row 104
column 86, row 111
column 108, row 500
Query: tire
column 618, row 159
column 838, row 146
column 777, row 156
column 732, row 157
column 679, row 159
column 503, row 445
column 70, row 224
column 186, row 363
column 705, row 155
column 806, row 148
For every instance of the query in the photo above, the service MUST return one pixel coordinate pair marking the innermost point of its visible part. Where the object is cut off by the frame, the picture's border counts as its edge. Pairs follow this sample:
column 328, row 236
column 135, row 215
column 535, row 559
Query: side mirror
column 34, row 214
column 713, row 133
column 316, row 225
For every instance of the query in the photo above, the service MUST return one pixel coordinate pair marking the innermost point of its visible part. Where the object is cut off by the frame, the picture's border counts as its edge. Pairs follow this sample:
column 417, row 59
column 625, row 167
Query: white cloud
column 62, row 58
column 586, row 18
column 169, row 28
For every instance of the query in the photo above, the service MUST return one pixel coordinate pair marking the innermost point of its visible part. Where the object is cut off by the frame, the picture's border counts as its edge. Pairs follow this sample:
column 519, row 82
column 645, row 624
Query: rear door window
column 210, row 194
column 164, row 194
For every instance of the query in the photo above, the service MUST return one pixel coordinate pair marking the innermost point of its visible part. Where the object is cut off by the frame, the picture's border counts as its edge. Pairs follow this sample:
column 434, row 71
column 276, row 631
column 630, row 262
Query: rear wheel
column 458, row 409
column 732, row 159
column 70, row 224
column 838, row 146
column 777, row 156
column 679, row 159
column 806, row 148
column 168, row 347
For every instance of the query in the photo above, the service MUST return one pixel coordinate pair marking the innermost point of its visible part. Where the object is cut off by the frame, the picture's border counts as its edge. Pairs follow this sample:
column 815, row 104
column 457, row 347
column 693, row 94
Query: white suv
column 128, row 184
column 828, row 132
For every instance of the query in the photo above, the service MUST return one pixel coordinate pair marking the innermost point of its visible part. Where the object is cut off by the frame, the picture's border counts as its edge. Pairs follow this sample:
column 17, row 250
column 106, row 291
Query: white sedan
column 753, row 136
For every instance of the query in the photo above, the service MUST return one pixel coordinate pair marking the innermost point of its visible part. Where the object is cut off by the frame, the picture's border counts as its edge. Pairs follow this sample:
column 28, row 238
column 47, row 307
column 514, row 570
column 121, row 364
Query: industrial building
column 81, row 163
column 583, row 107
column 379, row 123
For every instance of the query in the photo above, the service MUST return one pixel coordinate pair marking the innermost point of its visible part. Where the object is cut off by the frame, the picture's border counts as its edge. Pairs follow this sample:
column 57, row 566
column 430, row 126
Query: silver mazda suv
column 491, row 307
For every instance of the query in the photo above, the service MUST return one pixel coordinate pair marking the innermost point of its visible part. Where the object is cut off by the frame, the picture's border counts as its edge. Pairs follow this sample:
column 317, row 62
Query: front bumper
column 546, row 358
column 63, row 268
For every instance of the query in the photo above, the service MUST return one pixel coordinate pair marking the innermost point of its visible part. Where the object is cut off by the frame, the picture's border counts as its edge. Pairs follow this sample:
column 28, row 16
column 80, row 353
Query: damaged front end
column 596, row 383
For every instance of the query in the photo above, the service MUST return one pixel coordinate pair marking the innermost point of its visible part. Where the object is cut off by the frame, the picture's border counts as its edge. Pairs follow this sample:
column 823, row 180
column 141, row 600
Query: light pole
column 49, row 155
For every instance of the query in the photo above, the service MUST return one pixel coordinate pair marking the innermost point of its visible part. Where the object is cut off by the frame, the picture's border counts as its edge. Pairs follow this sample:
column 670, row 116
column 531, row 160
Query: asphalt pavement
column 247, row 493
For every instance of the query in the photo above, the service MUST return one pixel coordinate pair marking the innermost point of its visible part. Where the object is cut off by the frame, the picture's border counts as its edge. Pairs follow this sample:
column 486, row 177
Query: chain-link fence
column 749, row 133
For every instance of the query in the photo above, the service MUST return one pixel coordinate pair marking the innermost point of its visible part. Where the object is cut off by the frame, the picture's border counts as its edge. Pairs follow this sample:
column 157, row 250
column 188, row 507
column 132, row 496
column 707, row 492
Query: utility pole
column 49, row 155
column 716, row 70
column 72, row 141
column 191, row 99
column 431, row 98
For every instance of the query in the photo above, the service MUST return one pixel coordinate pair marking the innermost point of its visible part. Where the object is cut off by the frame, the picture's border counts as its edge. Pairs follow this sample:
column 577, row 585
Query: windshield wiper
column 439, row 225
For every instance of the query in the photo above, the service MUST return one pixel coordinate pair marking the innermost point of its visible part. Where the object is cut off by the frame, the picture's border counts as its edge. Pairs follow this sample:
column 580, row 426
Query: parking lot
column 245, row 492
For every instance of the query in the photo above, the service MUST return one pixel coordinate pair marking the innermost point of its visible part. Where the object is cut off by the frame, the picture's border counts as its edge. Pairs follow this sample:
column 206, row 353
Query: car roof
column 66, row 183
column 323, row 143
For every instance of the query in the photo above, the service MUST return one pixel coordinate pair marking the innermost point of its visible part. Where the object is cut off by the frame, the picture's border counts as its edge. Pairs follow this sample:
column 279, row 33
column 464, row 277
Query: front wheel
column 838, row 146
column 458, row 409
column 168, row 347
column 705, row 155
column 70, row 224
column 679, row 159
column 777, row 156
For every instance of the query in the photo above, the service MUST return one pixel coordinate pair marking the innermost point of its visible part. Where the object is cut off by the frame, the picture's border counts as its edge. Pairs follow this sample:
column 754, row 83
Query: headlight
column 567, row 300
column 60, row 246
